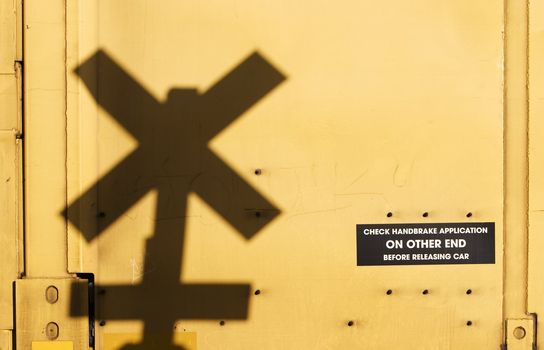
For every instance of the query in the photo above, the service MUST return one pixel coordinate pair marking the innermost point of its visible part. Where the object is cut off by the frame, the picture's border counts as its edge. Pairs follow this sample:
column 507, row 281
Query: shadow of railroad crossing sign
column 173, row 158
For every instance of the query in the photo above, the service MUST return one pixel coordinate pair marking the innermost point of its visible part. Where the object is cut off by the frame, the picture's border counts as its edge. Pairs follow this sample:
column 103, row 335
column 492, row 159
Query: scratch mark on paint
column 359, row 177
column 377, row 194
column 319, row 211
column 136, row 271
column 402, row 173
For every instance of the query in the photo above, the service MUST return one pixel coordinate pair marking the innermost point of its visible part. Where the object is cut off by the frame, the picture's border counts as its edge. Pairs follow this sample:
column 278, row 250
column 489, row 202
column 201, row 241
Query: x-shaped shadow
column 173, row 158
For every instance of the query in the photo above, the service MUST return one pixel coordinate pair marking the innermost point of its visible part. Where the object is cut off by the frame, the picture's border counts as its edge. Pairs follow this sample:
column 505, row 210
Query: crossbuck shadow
column 173, row 158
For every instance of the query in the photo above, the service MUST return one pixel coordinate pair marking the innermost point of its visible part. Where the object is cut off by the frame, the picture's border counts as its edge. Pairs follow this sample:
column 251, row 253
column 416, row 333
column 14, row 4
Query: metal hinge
column 520, row 334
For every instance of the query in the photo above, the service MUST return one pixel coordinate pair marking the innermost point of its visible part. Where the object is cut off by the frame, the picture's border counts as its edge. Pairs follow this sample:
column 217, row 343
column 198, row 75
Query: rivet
column 469, row 291
column 350, row 323
column 469, row 214
column 258, row 172
column 425, row 292
column 52, row 294
column 257, row 292
column 102, row 323
column 469, row 323
column 258, row 214
column 519, row 332
column 101, row 214
column 52, row 331
column 390, row 214
column 221, row 323
column 425, row 214
column 389, row 292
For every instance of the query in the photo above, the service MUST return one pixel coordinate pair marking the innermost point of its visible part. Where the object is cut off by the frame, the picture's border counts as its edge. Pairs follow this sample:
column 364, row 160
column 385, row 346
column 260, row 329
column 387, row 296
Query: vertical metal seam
column 515, row 165
column 504, row 155
column 515, row 31
column 527, row 160
column 66, row 131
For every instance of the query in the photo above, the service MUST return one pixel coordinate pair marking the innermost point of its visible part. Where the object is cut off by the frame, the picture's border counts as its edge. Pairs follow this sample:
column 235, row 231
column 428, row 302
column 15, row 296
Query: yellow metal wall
column 394, row 106
column 10, row 162
column 536, row 161
column 45, row 132
column 400, row 107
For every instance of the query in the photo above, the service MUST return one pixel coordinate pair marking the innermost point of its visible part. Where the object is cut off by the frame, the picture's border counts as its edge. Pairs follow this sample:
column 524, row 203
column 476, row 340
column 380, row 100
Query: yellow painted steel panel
column 52, row 345
column 383, row 107
column 113, row 341
column 10, row 180
column 8, row 102
column 520, row 334
column 45, row 134
column 8, row 35
column 19, row 30
column 10, row 168
column 35, row 313
column 515, row 160
column 82, row 121
column 6, row 340
column 536, row 163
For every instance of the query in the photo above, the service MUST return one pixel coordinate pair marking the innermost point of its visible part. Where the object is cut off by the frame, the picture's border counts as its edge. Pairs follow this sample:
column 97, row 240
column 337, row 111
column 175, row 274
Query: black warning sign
column 426, row 244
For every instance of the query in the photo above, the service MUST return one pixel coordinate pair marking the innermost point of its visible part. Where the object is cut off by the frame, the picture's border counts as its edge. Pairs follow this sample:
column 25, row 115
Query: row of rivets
column 426, row 291
column 351, row 323
column 425, row 214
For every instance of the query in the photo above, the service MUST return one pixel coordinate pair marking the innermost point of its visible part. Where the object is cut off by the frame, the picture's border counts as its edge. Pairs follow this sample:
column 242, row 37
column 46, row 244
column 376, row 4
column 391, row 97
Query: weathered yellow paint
column 403, row 107
column 388, row 106
column 8, row 101
column 522, row 338
column 8, row 35
column 10, row 180
column 45, row 134
column 34, row 312
column 115, row 341
column 10, row 166
column 81, row 37
column 19, row 30
column 536, row 163
column 52, row 345
column 6, row 340
column 516, row 160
